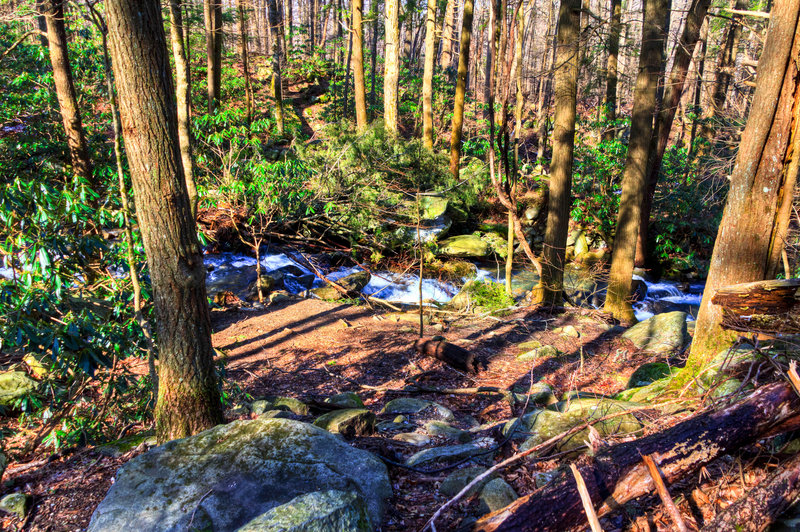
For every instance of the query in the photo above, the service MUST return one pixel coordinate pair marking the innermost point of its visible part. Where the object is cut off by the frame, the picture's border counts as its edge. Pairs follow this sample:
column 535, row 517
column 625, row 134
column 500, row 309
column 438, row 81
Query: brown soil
column 310, row 349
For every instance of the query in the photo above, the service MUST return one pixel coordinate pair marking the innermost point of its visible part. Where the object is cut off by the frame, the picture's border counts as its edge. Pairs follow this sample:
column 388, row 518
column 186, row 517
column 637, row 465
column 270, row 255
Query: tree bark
column 446, row 56
column 358, row 65
column 666, row 115
column 276, row 30
column 461, row 86
column 391, row 74
column 427, row 77
column 633, row 180
column 617, row 474
column 373, row 55
column 762, row 176
column 184, row 100
column 243, row 54
column 188, row 397
column 610, row 100
column 53, row 11
column 212, row 12
column 560, row 188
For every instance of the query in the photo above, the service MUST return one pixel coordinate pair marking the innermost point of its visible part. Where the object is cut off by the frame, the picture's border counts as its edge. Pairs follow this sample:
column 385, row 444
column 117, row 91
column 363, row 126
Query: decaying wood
column 451, row 354
column 664, row 495
column 762, row 306
column 618, row 475
column 763, row 504
column 586, row 499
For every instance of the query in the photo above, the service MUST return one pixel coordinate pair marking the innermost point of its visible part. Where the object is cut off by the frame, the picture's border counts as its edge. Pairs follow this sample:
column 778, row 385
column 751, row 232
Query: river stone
column 648, row 373
column 16, row 504
column 14, row 385
column 445, row 430
column 540, row 352
column 497, row 242
column 413, row 438
column 458, row 480
column 266, row 283
column 412, row 405
column 320, row 511
column 431, row 207
column 581, row 245
column 496, row 494
column 581, row 287
column 450, row 452
column 464, row 246
column 233, row 473
column 288, row 404
column 352, row 283
column 350, row 422
column 663, row 334
column 345, row 400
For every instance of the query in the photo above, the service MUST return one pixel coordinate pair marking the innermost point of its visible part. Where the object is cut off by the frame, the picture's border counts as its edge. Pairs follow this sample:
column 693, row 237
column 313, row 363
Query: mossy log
column 452, row 355
column 763, row 504
column 617, row 474
column 771, row 306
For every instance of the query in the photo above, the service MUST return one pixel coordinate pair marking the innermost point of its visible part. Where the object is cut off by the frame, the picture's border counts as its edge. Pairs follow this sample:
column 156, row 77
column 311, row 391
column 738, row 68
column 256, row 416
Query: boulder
column 413, row 438
column 431, row 207
column 567, row 331
column 648, row 373
column 537, row 353
column 582, row 288
column 464, row 246
column 266, row 283
column 539, row 394
column 496, row 494
column 17, row 504
column 277, row 414
column 229, row 475
column 447, row 431
column 352, row 283
column 15, row 385
column 287, row 404
column 663, row 334
column 39, row 365
column 497, row 242
column 345, row 400
column 450, row 452
column 412, row 405
column 319, row 511
column 458, row 480
column 350, row 422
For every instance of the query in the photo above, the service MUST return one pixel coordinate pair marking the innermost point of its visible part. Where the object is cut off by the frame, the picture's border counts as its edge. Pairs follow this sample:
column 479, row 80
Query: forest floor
column 310, row 349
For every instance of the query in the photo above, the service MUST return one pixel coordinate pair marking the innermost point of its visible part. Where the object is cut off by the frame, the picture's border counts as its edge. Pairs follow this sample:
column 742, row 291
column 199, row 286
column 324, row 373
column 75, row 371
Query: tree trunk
column 446, row 57
column 312, row 22
column 184, row 100
column 373, row 59
column 391, row 73
column 610, row 101
column 560, row 187
column 545, row 87
column 698, row 87
column 461, row 86
column 427, row 77
column 212, row 11
column 763, row 178
column 188, row 397
column 289, row 21
column 358, row 65
column 666, row 115
column 617, row 474
column 651, row 62
column 276, row 30
column 243, row 54
column 65, row 90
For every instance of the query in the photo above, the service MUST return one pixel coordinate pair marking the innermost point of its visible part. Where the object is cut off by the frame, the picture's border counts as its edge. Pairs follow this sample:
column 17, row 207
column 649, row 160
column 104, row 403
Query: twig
column 206, row 494
column 586, row 499
column 663, row 493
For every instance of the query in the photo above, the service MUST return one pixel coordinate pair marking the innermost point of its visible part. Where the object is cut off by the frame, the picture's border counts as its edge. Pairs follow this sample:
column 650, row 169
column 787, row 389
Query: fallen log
column 451, row 354
column 617, row 474
column 760, row 507
column 762, row 306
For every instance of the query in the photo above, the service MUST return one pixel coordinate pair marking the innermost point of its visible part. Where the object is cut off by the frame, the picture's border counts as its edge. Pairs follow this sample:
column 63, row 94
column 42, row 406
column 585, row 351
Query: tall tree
column 243, row 54
column 612, row 44
column 53, row 11
column 188, row 396
column 753, row 228
column 184, row 99
column 427, row 77
column 391, row 75
column 446, row 57
column 461, row 89
column 666, row 115
column 373, row 53
column 651, row 62
column 358, row 65
column 560, row 187
column 212, row 13
column 276, row 30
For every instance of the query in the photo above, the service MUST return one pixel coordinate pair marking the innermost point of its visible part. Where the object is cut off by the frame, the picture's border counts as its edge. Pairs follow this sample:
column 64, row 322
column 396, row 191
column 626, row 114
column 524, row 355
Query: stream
column 236, row 272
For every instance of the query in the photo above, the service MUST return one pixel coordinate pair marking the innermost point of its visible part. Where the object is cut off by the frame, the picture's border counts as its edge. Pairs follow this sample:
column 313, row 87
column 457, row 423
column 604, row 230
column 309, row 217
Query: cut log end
column 452, row 355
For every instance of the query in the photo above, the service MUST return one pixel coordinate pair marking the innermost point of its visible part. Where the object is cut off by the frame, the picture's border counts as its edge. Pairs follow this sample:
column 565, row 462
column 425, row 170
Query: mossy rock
column 38, row 364
column 538, row 395
column 350, row 422
column 15, row 385
column 496, row 494
column 663, row 334
column 231, row 474
column 458, row 480
column 320, row 511
column 288, row 404
column 464, row 246
column 447, row 431
column 119, row 447
column 345, row 400
column 413, row 438
column 545, row 351
column 648, row 373
column 352, row 283
column 497, row 243
column 18, row 504
column 412, row 405
column 450, row 452
column 567, row 331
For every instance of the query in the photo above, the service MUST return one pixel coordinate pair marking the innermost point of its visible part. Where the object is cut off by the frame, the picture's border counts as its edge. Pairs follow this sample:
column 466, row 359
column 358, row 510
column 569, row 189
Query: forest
column 334, row 265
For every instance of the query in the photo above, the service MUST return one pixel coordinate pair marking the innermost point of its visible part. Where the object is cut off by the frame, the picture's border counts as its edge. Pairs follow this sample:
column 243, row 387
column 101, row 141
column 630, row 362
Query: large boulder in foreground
column 15, row 385
column 225, row 477
column 663, row 334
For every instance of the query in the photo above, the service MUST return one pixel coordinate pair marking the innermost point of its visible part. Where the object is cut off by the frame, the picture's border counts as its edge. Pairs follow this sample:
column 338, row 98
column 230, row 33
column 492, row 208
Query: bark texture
column 651, row 63
column 427, row 76
column 612, row 44
column 188, row 398
column 212, row 13
column 391, row 73
column 560, row 187
column 358, row 65
column 276, row 30
column 763, row 177
column 461, row 89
